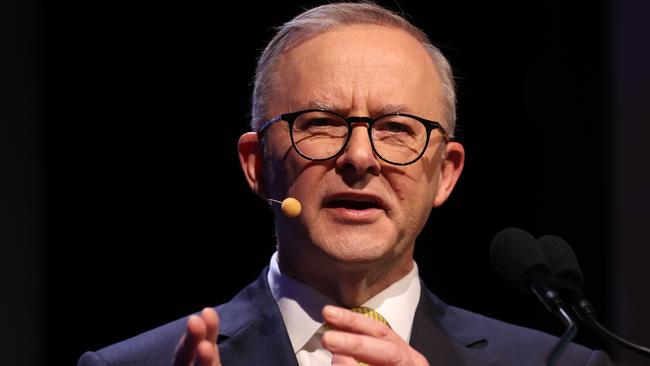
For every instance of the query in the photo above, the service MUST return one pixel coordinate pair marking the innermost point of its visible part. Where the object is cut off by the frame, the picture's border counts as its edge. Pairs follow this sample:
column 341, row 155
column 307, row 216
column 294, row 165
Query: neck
column 348, row 283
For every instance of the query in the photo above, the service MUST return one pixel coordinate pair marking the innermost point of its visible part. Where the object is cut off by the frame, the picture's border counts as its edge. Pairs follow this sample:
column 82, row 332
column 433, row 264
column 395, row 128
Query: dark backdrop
column 144, row 215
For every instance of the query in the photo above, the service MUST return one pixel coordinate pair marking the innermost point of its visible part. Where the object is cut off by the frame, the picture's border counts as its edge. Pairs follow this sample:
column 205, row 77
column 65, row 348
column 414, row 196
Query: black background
column 145, row 215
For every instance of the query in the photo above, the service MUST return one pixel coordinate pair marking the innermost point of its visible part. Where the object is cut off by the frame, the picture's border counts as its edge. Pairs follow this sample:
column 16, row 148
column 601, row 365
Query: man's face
column 356, row 209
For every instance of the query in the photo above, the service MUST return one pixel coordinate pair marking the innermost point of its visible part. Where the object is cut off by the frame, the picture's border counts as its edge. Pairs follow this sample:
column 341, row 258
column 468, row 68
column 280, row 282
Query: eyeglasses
column 396, row 138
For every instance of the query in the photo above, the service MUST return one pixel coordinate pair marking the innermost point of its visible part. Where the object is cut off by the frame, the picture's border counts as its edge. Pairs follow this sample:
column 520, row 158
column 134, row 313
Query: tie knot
column 365, row 311
column 370, row 313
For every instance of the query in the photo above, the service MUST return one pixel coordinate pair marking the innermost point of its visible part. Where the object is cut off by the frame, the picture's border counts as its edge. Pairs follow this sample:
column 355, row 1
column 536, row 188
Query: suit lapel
column 429, row 339
column 252, row 330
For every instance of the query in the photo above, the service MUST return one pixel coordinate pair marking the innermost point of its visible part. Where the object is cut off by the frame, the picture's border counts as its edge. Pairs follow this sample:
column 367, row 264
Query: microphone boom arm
column 555, row 305
column 565, row 340
column 586, row 312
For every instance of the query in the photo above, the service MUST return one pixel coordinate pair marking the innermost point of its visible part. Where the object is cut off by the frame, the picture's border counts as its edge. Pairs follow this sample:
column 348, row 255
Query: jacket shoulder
column 154, row 347
column 502, row 343
column 157, row 346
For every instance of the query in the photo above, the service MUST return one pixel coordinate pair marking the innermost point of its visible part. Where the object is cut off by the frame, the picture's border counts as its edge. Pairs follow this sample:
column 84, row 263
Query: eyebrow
column 393, row 108
column 382, row 110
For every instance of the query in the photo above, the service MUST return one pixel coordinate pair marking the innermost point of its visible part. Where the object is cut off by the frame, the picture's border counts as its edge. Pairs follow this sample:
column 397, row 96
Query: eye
column 320, row 122
column 394, row 128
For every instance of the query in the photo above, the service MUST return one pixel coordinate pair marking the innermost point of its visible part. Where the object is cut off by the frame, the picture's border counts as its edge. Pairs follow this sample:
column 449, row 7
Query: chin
column 347, row 248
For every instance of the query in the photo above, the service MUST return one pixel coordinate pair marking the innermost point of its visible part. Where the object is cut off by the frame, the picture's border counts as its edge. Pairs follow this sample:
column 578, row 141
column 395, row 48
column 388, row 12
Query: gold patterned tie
column 370, row 313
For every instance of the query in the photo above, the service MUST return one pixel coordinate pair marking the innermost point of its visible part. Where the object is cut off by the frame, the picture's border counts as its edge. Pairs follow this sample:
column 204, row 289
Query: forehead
column 358, row 69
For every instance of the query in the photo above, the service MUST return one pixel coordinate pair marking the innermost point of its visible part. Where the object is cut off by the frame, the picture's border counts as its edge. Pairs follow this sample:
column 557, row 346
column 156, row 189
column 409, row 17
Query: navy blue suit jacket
column 253, row 333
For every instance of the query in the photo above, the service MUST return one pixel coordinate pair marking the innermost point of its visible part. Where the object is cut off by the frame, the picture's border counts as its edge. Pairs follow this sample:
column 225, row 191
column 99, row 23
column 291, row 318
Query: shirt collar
column 301, row 306
column 397, row 303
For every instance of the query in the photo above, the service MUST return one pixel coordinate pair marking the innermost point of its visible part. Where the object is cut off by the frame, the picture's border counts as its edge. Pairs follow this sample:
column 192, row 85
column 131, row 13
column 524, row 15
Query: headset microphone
column 290, row 206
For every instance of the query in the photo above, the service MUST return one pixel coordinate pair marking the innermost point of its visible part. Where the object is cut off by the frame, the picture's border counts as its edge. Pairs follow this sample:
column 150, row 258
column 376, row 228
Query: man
column 353, row 113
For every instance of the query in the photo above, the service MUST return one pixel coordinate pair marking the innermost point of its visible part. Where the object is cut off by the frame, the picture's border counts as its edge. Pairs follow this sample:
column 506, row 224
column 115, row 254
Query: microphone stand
column 565, row 340
column 569, row 281
column 553, row 302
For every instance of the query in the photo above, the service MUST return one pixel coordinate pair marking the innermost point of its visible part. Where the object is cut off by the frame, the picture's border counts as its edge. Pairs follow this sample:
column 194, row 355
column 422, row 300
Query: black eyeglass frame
column 291, row 117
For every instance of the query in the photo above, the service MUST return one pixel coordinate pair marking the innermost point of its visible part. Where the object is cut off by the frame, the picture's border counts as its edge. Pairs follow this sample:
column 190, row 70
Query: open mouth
column 354, row 208
column 353, row 204
column 354, row 201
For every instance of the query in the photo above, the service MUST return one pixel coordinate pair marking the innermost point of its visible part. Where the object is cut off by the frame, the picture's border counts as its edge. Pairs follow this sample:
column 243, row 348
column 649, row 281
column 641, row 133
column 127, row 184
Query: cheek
column 298, row 178
column 415, row 189
column 304, row 181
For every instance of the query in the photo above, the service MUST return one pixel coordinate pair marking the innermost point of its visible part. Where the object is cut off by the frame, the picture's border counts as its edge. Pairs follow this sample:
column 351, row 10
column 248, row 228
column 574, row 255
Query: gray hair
column 326, row 18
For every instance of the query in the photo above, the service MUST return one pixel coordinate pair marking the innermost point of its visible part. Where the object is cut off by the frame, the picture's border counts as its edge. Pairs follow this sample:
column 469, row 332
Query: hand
column 198, row 346
column 359, row 338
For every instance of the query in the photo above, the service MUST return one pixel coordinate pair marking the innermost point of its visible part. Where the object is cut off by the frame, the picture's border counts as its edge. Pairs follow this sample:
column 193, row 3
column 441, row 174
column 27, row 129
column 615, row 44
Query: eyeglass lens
column 321, row 135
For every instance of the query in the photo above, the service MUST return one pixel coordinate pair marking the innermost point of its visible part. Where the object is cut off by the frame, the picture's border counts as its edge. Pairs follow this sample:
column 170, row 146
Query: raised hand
column 198, row 346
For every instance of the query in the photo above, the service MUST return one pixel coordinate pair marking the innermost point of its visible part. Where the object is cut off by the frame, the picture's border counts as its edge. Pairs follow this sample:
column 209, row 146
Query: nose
column 358, row 158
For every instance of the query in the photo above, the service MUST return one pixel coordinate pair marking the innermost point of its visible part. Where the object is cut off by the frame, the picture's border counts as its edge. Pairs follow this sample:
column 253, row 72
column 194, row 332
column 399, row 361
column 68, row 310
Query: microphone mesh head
column 563, row 262
column 515, row 254
column 291, row 207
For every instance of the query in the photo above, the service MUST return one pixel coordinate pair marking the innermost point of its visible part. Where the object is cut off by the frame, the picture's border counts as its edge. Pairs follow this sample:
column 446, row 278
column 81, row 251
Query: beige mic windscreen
column 290, row 206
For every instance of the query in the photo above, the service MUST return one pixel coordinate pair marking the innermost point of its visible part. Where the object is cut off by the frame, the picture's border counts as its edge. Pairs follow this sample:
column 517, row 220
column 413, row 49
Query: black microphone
column 516, row 255
column 569, row 279
column 564, row 267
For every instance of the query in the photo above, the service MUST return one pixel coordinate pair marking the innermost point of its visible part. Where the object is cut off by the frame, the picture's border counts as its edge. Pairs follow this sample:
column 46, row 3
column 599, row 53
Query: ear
column 453, row 160
column 251, row 159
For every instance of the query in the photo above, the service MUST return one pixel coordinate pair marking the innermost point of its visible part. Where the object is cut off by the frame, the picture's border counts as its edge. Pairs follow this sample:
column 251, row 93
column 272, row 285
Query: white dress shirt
column 301, row 307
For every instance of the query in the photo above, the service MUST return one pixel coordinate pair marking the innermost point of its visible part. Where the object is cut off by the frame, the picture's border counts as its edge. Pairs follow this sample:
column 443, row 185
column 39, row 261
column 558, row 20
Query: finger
column 216, row 361
column 211, row 320
column 186, row 350
column 348, row 321
column 206, row 354
column 341, row 360
column 365, row 348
